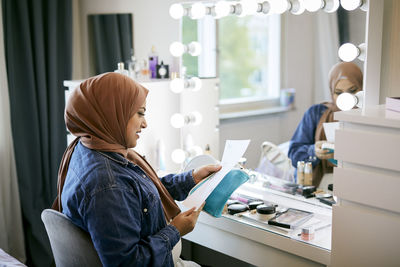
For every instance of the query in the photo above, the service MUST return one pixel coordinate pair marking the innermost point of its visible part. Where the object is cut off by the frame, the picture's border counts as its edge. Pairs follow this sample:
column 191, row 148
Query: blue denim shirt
column 114, row 200
column 302, row 143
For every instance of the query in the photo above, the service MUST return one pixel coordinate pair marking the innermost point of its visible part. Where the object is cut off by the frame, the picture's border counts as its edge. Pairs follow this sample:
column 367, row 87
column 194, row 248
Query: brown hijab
column 97, row 113
column 342, row 70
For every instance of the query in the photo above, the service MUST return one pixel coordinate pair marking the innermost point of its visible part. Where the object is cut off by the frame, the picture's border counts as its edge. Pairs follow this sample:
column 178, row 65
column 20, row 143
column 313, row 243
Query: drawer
column 377, row 188
column 363, row 236
column 368, row 148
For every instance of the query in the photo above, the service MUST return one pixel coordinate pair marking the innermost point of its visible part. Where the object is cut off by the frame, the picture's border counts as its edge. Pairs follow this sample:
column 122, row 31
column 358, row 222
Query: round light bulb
column 222, row 9
column 177, row 85
column 313, row 5
column 178, row 156
column 177, row 120
column 279, row 6
column 346, row 101
column 249, row 7
column 348, row 52
column 266, row 7
column 351, row 4
column 176, row 11
column 297, row 7
column 194, row 48
column 195, row 83
column 177, row 49
column 331, row 6
column 198, row 11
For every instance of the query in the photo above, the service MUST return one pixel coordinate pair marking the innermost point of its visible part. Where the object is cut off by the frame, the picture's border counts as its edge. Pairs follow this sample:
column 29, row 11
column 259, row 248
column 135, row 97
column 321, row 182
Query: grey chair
column 71, row 246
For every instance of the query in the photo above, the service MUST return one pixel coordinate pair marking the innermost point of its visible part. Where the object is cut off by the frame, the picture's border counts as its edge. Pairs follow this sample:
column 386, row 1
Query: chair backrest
column 71, row 245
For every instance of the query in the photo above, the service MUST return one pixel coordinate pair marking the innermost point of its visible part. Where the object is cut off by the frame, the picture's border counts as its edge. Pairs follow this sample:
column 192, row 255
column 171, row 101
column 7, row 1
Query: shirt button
column 145, row 210
column 144, row 176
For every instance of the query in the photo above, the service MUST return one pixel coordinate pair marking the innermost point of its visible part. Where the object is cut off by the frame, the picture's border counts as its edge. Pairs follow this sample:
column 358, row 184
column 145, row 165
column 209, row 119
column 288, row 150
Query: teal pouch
column 215, row 202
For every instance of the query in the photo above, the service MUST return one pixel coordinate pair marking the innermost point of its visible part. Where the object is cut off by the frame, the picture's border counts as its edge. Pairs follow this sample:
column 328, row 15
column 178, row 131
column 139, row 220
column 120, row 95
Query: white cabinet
column 366, row 220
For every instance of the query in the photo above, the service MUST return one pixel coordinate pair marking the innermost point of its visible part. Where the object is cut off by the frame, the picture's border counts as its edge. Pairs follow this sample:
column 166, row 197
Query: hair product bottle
column 308, row 174
column 300, row 172
column 153, row 61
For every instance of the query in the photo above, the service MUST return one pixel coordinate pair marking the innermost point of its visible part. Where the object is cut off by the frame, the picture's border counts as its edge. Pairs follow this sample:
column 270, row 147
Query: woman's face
column 135, row 125
column 344, row 86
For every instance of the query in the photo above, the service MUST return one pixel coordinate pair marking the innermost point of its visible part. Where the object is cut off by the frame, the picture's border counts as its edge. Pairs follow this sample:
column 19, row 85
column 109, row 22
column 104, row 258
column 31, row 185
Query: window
column 247, row 62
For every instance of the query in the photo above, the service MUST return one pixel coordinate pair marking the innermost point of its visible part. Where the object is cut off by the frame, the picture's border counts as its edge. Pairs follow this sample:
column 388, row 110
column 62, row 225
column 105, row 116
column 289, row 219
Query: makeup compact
column 254, row 204
column 265, row 212
column 236, row 208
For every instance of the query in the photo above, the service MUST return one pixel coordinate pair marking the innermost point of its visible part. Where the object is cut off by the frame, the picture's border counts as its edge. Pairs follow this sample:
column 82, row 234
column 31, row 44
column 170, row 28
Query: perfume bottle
column 153, row 61
column 121, row 69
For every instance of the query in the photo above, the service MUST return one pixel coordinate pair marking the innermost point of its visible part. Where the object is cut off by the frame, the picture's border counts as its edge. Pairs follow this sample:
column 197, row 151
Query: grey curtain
column 38, row 49
column 110, row 40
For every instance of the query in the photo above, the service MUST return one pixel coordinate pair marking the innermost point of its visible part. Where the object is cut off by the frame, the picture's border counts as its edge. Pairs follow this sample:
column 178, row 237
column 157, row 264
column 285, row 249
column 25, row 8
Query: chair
column 71, row 245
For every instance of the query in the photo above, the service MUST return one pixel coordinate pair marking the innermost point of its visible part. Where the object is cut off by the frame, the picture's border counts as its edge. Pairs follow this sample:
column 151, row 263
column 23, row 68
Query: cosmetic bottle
column 153, row 61
column 162, row 71
column 121, row 69
column 265, row 212
column 144, row 70
column 300, row 172
column 133, row 67
column 308, row 173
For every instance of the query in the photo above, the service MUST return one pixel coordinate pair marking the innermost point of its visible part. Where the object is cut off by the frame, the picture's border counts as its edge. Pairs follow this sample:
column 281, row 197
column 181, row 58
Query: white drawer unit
column 366, row 220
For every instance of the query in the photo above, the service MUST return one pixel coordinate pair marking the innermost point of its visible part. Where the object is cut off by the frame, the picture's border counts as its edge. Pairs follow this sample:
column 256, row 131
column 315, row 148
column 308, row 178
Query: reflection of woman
column 111, row 191
column 306, row 142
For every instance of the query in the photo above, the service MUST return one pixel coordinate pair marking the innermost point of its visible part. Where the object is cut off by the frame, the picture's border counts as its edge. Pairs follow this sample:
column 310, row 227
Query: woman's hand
column 204, row 171
column 322, row 153
column 184, row 222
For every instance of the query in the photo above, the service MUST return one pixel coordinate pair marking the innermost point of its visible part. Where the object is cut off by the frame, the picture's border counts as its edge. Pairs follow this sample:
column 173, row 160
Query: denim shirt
column 119, row 206
column 301, row 146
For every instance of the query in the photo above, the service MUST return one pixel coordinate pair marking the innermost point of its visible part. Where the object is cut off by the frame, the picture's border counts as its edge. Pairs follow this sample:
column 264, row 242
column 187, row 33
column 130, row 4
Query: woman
column 108, row 189
column 305, row 145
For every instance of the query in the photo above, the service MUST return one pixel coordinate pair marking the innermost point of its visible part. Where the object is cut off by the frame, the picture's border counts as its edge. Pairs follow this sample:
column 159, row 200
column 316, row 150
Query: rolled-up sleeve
column 179, row 185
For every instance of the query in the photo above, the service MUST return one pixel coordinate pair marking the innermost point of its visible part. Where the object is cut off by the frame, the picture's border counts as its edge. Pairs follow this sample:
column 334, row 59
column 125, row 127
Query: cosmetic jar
column 232, row 201
column 265, row 212
column 236, row 208
column 307, row 233
column 253, row 204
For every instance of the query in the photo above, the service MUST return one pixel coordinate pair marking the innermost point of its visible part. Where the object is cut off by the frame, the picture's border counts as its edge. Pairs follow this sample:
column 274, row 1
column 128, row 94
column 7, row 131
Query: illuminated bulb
column 351, row 4
column 297, row 7
column 198, row 10
column 279, row 6
column 195, row 118
column 331, row 6
column 347, row 101
column 194, row 48
column 177, row 120
column 177, row 49
column 249, row 7
column 222, row 9
column 195, row 83
column 177, row 85
column 178, row 156
column 348, row 52
column 176, row 11
column 313, row 5
column 266, row 7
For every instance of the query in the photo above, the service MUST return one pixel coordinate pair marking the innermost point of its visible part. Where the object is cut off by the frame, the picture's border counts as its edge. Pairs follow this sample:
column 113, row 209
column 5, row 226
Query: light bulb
column 313, row 5
column 194, row 48
column 195, row 83
column 279, row 6
column 177, row 120
column 331, row 6
column 266, row 7
column 177, row 49
column 176, row 11
column 346, row 101
column 361, row 48
column 249, row 7
column 297, row 7
column 222, row 9
column 351, row 4
column 198, row 10
column 348, row 52
column 178, row 156
column 177, row 85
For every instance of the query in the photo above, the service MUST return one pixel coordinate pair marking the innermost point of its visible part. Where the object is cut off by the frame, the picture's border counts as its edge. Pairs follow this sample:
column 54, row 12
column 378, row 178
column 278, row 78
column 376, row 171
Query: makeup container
column 254, row 204
column 307, row 233
column 236, row 208
column 265, row 212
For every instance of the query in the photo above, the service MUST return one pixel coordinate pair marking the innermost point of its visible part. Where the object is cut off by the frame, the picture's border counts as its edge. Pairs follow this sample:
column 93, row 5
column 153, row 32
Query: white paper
column 329, row 128
column 234, row 150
